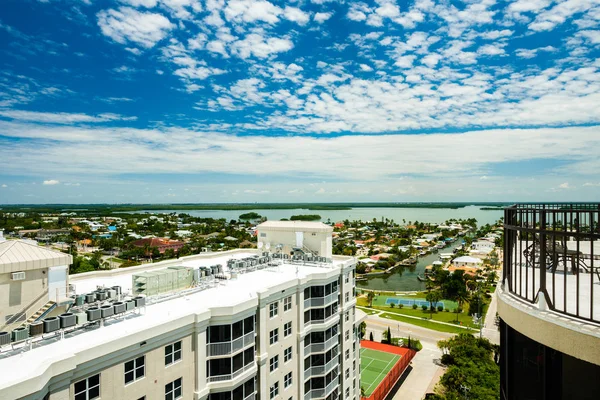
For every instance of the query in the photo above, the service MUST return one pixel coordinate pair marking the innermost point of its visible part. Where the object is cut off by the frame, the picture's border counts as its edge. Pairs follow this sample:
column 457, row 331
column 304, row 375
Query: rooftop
column 19, row 255
column 296, row 225
column 226, row 297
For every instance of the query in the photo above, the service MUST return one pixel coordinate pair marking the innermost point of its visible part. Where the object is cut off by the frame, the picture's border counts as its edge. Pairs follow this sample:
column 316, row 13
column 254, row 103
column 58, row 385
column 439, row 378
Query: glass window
column 274, row 336
column 172, row 353
column 287, row 380
column 219, row 333
column 287, row 303
column 173, row 390
column 249, row 325
column 134, row 369
column 273, row 309
column 287, row 329
column 348, row 335
column 287, row 354
column 88, row 389
column 274, row 363
column 274, row 391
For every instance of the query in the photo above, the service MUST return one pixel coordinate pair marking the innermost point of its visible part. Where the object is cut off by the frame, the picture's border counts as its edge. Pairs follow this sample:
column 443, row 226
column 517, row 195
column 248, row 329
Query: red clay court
column 381, row 365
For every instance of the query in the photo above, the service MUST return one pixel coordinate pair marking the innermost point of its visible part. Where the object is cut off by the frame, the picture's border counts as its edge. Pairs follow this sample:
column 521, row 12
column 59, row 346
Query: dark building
column 549, row 302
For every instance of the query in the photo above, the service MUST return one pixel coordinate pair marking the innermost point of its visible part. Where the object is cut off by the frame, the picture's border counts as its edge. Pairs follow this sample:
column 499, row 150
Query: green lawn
column 426, row 324
column 369, row 311
column 441, row 316
column 374, row 366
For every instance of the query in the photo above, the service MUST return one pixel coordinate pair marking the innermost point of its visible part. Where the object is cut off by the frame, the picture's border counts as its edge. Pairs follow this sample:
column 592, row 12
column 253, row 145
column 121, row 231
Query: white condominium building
column 261, row 327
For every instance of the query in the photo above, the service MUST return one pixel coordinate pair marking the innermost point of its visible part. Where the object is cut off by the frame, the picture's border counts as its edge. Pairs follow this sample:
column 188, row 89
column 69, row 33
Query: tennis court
column 374, row 367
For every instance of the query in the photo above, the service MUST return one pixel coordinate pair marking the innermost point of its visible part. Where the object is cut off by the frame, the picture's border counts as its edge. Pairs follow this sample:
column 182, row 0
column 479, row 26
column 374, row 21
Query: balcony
column 321, row 301
column 232, row 376
column 552, row 257
column 325, row 320
column 228, row 348
column 321, row 369
column 321, row 393
column 322, row 347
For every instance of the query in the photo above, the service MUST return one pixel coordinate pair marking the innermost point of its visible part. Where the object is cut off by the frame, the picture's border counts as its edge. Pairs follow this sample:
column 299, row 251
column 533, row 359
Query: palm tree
column 370, row 297
column 460, row 298
column 433, row 298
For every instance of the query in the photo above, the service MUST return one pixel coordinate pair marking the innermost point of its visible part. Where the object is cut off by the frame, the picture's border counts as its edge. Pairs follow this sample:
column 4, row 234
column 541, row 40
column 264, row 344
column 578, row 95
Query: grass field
column 424, row 323
column 374, row 366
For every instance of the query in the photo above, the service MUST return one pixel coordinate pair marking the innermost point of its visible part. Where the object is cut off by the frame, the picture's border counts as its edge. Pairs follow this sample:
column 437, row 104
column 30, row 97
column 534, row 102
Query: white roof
column 19, row 255
column 467, row 259
column 295, row 226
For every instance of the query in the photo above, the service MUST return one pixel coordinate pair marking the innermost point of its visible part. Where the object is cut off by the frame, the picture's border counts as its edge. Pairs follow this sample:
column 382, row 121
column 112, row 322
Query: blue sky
column 272, row 101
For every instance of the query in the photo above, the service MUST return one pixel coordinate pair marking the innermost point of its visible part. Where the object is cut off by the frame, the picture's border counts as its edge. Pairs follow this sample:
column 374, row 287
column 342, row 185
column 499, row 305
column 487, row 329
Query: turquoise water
column 433, row 215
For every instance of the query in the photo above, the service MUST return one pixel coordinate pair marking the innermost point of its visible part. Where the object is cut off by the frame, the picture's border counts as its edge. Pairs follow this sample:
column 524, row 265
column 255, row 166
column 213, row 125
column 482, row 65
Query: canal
column 404, row 279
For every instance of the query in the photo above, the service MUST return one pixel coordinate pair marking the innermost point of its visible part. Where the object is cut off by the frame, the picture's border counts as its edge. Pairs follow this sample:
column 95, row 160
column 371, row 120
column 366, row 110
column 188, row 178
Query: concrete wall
column 15, row 295
column 317, row 242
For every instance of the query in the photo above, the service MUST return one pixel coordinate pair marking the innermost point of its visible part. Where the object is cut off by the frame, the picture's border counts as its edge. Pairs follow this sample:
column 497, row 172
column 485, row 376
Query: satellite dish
column 260, row 245
column 267, row 246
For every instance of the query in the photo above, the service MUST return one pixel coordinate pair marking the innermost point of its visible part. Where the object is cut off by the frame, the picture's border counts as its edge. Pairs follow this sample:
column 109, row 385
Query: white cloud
column 321, row 17
column 259, row 46
column 4, row 185
column 127, row 25
column 564, row 185
column 365, row 67
column 51, row 182
column 61, row 118
column 548, row 19
column 252, row 11
column 531, row 53
column 296, row 15
column 592, row 184
column 140, row 3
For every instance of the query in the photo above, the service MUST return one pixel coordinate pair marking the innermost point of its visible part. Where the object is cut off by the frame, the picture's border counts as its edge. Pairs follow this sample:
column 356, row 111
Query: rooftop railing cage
column 552, row 257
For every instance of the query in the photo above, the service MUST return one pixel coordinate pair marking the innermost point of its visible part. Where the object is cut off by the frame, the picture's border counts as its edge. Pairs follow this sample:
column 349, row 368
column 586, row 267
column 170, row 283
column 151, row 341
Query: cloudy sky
column 311, row 100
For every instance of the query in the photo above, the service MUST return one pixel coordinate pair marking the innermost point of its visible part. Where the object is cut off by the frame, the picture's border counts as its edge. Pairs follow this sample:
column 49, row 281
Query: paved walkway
column 490, row 330
column 379, row 312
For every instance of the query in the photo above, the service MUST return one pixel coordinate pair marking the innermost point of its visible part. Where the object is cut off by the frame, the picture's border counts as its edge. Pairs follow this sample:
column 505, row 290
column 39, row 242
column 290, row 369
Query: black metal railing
column 553, row 250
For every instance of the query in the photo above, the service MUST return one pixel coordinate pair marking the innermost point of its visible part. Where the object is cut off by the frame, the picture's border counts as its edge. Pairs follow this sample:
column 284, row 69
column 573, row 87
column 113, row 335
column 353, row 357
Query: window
column 134, row 370
column 287, row 380
column 172, row 353
column 173, row 390
column 274, row 336
column 287, row 303
column 287, row 329
column 287, row 354
column 347, row 354
column 347, row 334
column 347, row 278
column 347, row 393
column 347, row 373
column 273, row 309
column 88, row 388
column 274, row 391
column 348, row 316
column 274, row 363
column 354, row 365
column 347, row 296
column 142, row 398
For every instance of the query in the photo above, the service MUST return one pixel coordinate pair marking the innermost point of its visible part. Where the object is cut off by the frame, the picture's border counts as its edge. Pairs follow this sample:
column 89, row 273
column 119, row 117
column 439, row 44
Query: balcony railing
column 321, row 369
column 323, row 346
column 320, row 393
column 227, row 348
column 321, row 301
column 325, row 320
column 251, row 396
column 552, row 255
column 228, row 377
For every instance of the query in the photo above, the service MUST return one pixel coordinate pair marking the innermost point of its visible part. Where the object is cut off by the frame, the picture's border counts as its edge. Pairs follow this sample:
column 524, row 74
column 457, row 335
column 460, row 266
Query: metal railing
column 321, row 346
column 333, row 315
column 321, row 369
column 235, row 374
column 320, row 393
column 552, row 256
column 227, row 348
column 321, row 301
column 17, row 318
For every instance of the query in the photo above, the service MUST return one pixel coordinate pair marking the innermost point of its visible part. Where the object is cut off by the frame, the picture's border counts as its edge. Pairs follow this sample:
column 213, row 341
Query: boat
column 422, row 253
column 420, row 278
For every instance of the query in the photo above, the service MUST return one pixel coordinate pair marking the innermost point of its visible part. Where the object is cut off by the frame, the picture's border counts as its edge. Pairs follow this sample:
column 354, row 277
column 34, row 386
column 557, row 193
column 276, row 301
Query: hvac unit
column 36, row 328
column 67, row 320
column 90, row 297
column 80, row 299
column 18, row 276
column 81, row 318
column 51, row 324
column 19, row 334
column 94, row 314
column 4, row 338
column 117, row 289
column 107, row 311
column 129, row 305
column 119, row 307
column 140, row 301
column 101, row 295
column 112, row 293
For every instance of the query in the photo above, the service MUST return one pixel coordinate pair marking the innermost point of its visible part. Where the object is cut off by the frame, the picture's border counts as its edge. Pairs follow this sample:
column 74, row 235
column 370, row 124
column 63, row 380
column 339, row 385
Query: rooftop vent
column 18, row 276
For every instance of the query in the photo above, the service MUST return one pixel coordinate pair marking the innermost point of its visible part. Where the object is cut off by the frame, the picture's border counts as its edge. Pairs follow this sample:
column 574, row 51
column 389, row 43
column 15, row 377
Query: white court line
column 386, row 371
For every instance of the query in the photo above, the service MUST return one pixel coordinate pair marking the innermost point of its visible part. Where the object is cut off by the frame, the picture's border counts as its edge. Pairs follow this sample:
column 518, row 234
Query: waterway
column 399, row 215
column 405, row 278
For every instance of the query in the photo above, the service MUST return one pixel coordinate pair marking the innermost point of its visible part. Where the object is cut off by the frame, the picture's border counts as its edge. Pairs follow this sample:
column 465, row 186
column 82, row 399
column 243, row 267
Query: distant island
column 305, row 217
column 124, row 208
column 250, row 215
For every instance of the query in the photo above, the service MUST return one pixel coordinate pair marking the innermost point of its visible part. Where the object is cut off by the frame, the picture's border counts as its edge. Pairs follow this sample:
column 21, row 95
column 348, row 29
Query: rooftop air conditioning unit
column 18, row 276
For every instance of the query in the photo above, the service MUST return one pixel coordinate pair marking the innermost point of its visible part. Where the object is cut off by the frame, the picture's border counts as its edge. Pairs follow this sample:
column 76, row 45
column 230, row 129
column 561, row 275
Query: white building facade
column 285, row 331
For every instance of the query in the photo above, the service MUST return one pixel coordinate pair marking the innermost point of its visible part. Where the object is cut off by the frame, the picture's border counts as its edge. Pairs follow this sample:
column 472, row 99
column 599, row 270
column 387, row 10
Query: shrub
column 459, row 310
column 392, row 305
column 446, row 310
column 414, row 306
column 424, row 307
column 400, row 305
column 440, row 308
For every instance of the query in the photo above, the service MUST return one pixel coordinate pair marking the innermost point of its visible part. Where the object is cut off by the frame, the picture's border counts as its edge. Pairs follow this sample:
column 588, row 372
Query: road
column 425, row 369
